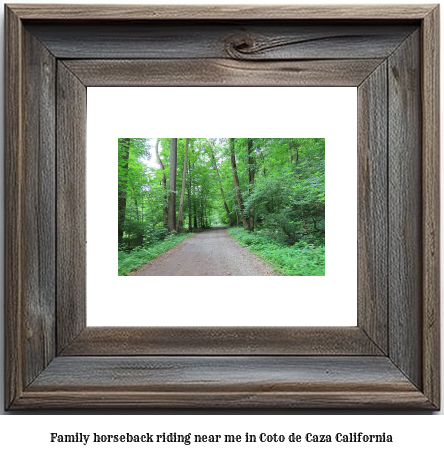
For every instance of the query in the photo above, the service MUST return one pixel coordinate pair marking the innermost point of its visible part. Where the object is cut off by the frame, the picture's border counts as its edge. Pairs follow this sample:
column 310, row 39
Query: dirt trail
column 210, row 253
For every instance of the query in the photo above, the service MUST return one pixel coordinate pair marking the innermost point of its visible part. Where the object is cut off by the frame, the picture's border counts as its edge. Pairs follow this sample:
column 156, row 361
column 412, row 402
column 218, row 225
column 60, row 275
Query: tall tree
column 220, row 184
column 182, row 195
column 172, row 192
column 294, row 154
column 237, row 186
column 165, row 204
column 190, row 212
column 251, row 180
column 124, row 148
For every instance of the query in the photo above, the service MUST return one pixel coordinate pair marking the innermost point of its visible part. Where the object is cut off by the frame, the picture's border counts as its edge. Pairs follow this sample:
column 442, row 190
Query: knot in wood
column 238, row 46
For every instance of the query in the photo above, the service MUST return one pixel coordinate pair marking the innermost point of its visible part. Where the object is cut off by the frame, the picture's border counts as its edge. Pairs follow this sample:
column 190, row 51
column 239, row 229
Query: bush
column 152, row 235
column 128, row 261
column 133, row 234
column 300, row 259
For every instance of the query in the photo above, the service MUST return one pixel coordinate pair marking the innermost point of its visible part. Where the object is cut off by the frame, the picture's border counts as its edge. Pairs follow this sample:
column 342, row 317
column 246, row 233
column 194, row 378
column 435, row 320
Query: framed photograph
column 389, row 359
column 181, row 282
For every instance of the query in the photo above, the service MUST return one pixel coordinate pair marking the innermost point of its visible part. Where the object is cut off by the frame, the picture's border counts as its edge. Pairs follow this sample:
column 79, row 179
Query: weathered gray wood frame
column 390, row 360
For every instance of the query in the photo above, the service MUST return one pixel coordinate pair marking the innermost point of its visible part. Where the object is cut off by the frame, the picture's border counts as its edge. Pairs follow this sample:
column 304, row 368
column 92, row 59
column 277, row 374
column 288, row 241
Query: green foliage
column 132, row 187
column 288, row 197
column 281, row 183
column 129, row 261
column 300, row 259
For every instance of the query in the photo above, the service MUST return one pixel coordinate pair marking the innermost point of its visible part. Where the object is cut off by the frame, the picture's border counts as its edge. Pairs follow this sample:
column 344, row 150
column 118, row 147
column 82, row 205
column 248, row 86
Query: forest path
column 210, row 253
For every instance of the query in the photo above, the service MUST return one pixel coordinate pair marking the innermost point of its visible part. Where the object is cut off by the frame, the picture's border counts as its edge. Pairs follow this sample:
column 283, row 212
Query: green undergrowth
column 300, row 259
column 128, row 261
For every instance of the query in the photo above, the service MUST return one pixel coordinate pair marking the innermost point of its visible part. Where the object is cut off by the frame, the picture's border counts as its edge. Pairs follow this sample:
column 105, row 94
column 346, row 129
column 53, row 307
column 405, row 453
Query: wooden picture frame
column 390, row 360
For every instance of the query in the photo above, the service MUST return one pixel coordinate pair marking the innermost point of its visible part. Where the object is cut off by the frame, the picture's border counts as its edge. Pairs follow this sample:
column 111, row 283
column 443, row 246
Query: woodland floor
column 210, row 253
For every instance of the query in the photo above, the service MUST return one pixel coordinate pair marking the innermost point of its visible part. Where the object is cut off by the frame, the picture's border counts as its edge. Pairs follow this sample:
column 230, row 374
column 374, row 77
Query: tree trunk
column 179, row 218
column 222, row 190
column 190, row 223
column 236, row 185
column 165, row 198
column 172, row 193
column 294, row 157
column 251, row 180
column 202, row 223
column 124, row 147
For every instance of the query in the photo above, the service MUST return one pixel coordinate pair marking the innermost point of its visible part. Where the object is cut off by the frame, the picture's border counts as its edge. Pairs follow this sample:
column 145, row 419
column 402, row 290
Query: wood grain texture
column 245, row 40
column 39, row 231
column 431, row 207
column 99, row 399
column 372, row 207
column 405, row 209
column 71, row 206
column 13, row 209
column 220, row 12
column 221, row 72
column 210, row 373
column 208, row 381
column 127, row 341
column 30, row 203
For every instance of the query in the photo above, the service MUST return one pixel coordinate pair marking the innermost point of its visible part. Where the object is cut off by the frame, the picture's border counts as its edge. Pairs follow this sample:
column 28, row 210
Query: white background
column 217, row 112
column 414, row 433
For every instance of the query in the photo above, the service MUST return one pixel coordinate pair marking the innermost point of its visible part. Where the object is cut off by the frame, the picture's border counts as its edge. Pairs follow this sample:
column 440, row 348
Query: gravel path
column 210, row 253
